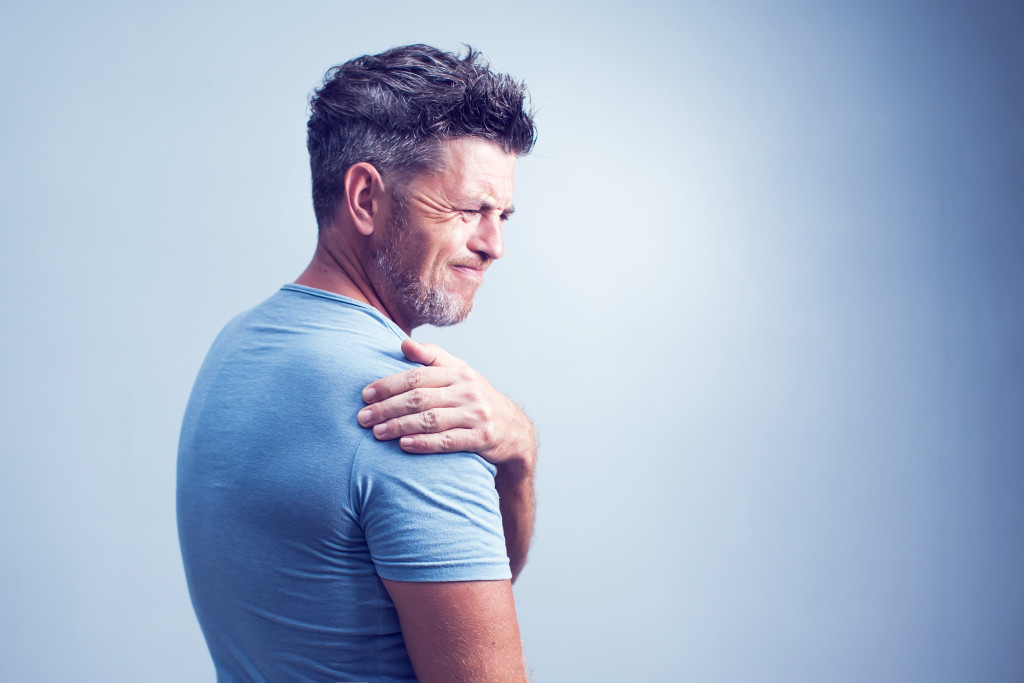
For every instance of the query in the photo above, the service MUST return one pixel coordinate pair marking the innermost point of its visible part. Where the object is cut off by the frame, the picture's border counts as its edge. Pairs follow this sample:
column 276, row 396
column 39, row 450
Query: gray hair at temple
column 395, row 109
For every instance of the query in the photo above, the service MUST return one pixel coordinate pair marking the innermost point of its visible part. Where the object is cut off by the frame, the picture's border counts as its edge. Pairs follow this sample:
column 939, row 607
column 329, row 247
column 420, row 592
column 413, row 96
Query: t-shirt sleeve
column 429, row 517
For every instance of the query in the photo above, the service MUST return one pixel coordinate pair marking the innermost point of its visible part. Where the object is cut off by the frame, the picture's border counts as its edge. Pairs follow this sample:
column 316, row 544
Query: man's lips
column 474, row 272
column 471, row 269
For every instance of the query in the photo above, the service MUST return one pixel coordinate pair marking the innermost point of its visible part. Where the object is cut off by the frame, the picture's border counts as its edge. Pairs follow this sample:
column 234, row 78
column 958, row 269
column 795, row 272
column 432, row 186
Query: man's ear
column 364, row 192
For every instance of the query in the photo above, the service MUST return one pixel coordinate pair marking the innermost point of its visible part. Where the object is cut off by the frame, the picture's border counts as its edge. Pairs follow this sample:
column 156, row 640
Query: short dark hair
column 395, row 109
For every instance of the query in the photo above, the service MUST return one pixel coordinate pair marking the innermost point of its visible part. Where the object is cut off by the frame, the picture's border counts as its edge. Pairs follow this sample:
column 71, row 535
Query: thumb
column 417, row 352
column 428, row 354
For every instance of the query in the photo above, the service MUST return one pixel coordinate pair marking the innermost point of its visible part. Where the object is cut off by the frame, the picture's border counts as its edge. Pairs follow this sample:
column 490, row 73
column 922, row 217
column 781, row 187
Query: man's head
column 415, row 149
column 442, row 233
column 394, row 110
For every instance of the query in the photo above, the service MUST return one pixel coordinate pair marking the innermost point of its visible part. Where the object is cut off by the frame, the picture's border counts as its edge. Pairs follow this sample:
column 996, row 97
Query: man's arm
column 462, row 631
column 447, row 406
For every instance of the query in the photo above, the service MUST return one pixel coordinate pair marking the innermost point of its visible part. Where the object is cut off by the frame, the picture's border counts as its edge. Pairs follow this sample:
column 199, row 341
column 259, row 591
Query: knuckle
column 487, row 434
column 448, row 441
column 414, row 399
column 414, row 377
column 428, row 419
column 467, row 374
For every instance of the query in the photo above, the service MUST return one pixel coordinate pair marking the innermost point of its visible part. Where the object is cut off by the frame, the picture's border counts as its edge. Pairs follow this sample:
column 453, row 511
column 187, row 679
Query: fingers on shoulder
column 448, row 441
column 418, row 377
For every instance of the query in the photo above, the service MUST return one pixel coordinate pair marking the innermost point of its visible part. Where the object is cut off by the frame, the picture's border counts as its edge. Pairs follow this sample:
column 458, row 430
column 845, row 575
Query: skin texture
column 421, row 261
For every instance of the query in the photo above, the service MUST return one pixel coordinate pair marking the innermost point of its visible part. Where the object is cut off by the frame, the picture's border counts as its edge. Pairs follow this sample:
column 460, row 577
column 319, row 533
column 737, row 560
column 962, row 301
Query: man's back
column 290, row 513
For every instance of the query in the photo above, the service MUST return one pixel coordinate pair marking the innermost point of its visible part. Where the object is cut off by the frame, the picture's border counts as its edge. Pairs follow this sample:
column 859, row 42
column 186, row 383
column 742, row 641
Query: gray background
column 763, row 296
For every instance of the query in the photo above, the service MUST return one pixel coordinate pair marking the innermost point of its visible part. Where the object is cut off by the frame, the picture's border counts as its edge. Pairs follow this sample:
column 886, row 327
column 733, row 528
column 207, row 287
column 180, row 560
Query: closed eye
column 504, row 216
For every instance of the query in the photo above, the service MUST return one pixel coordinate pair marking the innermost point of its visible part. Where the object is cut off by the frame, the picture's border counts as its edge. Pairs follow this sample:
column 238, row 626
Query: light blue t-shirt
column 289, row 512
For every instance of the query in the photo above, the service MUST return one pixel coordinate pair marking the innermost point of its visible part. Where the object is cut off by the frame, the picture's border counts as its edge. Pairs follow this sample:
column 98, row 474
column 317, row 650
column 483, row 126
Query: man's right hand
column 447, row 406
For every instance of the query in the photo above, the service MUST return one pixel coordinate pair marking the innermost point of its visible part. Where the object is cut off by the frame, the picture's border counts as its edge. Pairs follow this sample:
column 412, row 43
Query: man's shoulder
column 296, row 361
column 300, row 328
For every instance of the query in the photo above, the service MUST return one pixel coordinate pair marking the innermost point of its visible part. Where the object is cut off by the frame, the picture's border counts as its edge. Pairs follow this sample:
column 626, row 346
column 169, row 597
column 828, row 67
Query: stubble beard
column 420, row 303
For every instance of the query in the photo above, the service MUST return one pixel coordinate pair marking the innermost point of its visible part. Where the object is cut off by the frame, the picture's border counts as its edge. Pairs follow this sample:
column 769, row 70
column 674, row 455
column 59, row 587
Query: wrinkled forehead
column 477, row 169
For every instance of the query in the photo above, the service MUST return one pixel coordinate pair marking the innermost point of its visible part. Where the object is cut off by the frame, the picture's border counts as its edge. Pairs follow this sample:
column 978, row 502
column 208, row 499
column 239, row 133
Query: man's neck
column 336, row 272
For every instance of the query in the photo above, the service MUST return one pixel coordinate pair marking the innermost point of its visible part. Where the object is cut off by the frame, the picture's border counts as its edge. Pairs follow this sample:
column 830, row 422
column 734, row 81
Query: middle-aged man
column 319, row 542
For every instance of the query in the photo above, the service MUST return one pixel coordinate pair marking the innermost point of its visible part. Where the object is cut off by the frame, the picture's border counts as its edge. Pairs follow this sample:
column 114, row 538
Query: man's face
column 443, row 235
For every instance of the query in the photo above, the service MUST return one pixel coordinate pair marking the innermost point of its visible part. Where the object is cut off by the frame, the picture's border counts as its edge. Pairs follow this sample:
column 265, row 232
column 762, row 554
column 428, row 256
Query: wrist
column 514, row 449
column 515, row 470
column 519, row 466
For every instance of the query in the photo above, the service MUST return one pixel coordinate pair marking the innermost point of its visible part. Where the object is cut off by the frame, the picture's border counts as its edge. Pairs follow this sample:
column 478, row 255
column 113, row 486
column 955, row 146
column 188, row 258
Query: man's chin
column 450, row 318
column 442, row 309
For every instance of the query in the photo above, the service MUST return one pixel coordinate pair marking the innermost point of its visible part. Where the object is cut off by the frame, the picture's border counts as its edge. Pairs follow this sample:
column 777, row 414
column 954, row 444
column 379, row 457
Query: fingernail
column 364, row 415
column 406, row 441
column 369, row 393
column 381, row 429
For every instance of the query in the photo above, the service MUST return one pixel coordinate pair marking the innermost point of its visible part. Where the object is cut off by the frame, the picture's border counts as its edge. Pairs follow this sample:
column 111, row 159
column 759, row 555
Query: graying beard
column 430, row 306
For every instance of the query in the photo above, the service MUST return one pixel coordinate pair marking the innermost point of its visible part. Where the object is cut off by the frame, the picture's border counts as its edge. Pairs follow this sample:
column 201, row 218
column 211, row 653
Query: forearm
column 514, row 482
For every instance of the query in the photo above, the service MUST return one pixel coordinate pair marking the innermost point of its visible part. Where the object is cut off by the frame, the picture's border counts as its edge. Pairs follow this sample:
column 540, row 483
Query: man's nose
column 486, row 238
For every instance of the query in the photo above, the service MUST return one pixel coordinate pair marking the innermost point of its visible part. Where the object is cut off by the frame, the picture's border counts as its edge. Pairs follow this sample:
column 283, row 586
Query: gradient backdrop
column 763, row 296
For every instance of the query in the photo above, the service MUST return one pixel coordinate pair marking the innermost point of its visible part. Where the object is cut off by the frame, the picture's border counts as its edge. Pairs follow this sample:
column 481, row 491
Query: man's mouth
column 475, row 272
column 472, row 268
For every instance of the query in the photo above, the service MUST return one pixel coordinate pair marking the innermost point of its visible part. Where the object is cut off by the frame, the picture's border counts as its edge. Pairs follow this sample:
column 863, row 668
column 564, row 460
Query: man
column 319, row 541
